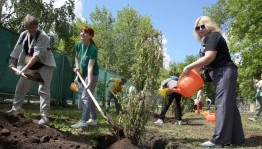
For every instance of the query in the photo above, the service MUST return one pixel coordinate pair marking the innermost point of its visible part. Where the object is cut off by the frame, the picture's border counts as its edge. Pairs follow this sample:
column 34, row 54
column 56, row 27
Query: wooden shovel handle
column 18, row 71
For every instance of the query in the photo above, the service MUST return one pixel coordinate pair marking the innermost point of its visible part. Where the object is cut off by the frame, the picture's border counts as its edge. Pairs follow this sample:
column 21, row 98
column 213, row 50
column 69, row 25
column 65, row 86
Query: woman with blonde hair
column 215, row 56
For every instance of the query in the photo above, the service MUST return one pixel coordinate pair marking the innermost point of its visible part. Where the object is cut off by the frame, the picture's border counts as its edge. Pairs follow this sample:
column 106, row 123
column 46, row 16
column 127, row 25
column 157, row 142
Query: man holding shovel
column 32, row 54
column 116, row 88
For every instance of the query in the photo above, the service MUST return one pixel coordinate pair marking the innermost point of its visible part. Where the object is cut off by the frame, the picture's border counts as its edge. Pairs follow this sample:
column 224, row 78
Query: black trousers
column 117, row 104
column 229, row 128
column 170, row 96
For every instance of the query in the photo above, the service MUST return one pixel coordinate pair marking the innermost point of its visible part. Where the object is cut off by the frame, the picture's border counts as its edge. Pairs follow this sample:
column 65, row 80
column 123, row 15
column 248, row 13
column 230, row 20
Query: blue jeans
column 79, row 100
column 88, row 104
column 79, row 95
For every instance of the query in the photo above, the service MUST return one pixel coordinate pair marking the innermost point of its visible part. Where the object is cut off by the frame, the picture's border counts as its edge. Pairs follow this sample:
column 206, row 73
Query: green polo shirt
column 85, row 56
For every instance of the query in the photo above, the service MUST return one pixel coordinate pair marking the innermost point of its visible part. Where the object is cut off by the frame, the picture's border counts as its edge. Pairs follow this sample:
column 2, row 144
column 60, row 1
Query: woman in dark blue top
column 223, row 72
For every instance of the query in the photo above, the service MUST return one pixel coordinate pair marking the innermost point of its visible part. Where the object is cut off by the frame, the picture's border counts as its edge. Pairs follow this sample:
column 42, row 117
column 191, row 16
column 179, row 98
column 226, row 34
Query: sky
column 174, row 18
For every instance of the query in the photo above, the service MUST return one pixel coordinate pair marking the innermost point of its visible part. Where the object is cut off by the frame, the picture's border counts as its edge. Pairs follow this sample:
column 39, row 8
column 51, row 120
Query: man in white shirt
column 171, row 82
column 258, row 86
column 32, row 52
column 208, row 103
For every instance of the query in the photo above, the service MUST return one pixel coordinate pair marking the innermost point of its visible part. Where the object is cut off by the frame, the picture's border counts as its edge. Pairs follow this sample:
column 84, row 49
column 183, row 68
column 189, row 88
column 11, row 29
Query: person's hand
column 11, row 65
column 88, row 86
column 75, row 69
column 186, row 70
column 23, row 70
column 12, row 62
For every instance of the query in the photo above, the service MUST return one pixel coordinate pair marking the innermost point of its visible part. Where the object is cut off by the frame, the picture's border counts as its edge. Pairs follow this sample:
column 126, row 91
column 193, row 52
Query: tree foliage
column 242, row 21
column 149, row 57
column 56, row 22
column 120, row 40
column 126, row 31
column 144, row 72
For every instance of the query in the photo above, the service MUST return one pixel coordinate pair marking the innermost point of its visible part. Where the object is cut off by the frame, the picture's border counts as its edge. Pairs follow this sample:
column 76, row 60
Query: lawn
column 193, row 131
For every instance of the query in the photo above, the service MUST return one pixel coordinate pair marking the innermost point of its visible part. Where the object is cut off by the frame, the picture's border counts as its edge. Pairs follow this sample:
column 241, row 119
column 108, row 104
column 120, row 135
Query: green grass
column 195, row 129
column 191, row 133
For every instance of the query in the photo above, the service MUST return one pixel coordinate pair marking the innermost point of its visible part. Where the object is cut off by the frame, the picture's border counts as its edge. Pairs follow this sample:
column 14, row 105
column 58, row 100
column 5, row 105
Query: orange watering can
column 188, row 84
column 211, row 117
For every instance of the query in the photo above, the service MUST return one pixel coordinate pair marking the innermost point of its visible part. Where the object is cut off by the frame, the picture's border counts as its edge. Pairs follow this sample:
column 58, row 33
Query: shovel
column 117, row 128
column 31, row 75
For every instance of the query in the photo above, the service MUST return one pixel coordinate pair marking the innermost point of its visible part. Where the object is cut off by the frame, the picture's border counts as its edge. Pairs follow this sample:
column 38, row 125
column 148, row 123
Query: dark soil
column 20, row 132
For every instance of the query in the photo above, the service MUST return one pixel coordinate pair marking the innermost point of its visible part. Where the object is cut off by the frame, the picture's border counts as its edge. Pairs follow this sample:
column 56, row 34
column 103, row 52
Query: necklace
column 28, row 41
column 83, row 53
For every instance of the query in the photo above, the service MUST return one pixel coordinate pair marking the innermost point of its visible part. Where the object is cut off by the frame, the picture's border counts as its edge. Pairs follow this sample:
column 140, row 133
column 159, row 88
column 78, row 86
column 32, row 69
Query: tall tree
column 144, row 73
column 103, row 23
column 126, row 30
column 149, row 56
column 242, row 21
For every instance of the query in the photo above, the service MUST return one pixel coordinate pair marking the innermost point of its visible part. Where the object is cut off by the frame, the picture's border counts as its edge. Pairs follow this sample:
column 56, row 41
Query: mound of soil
column 18, row 131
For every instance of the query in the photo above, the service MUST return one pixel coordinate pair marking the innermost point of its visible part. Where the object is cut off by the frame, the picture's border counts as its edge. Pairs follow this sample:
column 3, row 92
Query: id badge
column 27, row 59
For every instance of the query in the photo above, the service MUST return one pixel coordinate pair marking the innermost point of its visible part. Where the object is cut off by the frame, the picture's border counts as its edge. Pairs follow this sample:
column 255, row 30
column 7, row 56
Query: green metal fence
column 62, row 77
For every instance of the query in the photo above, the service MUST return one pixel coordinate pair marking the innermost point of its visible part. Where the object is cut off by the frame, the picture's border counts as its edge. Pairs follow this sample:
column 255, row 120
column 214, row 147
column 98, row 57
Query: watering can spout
column 165, row 90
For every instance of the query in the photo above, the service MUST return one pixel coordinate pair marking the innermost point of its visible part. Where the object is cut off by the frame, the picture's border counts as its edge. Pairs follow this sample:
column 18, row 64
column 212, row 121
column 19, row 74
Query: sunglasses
column 201, row 26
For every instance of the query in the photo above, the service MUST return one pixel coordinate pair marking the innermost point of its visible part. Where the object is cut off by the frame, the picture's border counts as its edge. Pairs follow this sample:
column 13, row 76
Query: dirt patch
column 17, row 131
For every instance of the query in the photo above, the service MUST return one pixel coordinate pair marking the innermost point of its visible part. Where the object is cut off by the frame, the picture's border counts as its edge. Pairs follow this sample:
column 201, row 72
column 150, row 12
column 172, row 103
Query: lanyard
column 30, row 45
column 83, row 55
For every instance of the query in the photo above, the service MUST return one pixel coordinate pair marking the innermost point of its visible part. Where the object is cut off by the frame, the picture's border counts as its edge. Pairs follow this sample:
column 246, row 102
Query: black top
column 215, row 42
column 37, row 64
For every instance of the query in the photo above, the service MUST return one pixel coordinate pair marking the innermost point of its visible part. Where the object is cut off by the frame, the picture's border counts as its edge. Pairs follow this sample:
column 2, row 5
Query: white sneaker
column 13, row 110
column 44, row 120
column 179, row 122
column 91, row 122
column 159, row 122
column 79, row 124
column 210, row 144
column 252, row 119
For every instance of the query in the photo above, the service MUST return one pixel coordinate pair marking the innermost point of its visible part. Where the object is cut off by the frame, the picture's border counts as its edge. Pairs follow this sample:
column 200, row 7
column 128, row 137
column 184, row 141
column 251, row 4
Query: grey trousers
column 24, row 85
column 258, row 107
column 88, row 104
column 228, row 121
